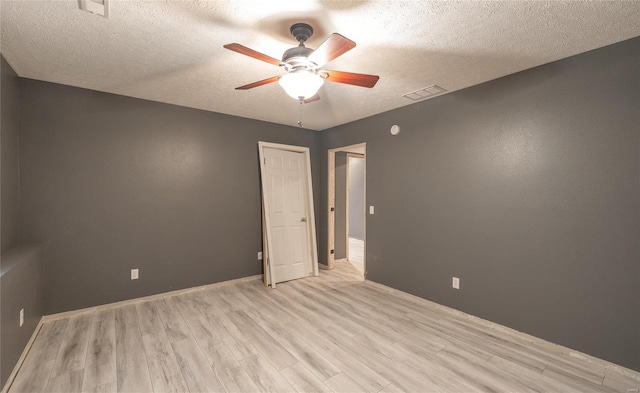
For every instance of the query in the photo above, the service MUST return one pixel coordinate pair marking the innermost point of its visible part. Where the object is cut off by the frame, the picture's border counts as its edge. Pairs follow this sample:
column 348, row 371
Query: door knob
column 303, row 219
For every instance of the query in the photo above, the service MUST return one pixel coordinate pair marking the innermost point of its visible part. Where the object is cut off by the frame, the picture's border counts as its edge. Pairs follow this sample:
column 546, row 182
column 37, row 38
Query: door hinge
column 332, row 251
column 333, row 209
column 265, row 160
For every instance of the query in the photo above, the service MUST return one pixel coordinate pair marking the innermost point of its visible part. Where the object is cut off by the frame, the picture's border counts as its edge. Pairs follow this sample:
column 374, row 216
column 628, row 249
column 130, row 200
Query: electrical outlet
column 134, row 274
column 371, row 210
column 455, row 283
column 21, row 317
column 260, row 255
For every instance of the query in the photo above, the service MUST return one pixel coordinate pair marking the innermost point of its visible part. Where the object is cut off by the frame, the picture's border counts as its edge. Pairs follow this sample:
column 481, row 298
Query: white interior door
column 285, row 187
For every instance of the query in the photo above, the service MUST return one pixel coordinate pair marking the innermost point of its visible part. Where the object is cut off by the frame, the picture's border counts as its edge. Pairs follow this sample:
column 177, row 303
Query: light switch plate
column 455, row 283
column 259, row 255
column 371, row 209
column 134, row 274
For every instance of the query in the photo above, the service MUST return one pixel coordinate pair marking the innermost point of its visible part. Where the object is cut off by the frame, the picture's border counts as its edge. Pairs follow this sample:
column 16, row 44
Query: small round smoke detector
column 395, row 129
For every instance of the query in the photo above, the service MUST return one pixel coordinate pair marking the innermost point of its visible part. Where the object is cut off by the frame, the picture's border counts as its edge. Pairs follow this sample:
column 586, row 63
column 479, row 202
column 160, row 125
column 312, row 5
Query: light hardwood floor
column 356, row 253
column 333, row 333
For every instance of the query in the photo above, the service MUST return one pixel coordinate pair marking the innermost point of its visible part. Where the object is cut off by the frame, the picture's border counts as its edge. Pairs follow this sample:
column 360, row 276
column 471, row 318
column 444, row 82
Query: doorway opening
column 355, row 210
column 347, row 207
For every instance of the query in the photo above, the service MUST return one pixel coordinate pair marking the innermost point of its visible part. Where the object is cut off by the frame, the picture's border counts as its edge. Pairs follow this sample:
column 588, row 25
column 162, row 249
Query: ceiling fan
column 304, row 76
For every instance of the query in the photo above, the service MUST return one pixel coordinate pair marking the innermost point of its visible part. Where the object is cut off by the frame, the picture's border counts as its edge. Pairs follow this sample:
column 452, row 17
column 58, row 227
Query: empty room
column 319, row 196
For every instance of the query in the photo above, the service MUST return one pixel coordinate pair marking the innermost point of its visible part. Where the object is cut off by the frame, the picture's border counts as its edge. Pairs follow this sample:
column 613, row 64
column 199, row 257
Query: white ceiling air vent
column 426, row 92
column 98, row 7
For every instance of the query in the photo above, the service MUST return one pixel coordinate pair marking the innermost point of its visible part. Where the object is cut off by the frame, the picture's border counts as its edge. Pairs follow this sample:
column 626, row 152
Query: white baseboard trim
column 66, row 314
column 604, row 364
column 23, row 356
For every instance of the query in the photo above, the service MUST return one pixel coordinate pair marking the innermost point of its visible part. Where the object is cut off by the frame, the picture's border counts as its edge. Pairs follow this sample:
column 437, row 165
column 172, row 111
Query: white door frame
column 331, row 197
column 311, row 223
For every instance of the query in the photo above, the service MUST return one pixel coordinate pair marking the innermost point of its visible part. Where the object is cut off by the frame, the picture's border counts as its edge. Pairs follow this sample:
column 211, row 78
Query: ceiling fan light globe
column 301, row 84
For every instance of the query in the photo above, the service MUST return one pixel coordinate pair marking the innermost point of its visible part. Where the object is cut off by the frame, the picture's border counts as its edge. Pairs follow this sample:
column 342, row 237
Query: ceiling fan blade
column 252, row 53
column 351, row 78
column 259, row 83
column 334, row 46
column 314, row 97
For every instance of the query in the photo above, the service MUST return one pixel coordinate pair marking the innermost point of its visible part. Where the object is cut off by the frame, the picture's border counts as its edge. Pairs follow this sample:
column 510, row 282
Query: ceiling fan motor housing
column 297, row 57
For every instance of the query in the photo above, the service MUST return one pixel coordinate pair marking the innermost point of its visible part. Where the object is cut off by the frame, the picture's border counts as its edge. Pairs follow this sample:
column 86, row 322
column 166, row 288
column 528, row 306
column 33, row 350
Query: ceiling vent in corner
column 98, row 7
column 426, row 92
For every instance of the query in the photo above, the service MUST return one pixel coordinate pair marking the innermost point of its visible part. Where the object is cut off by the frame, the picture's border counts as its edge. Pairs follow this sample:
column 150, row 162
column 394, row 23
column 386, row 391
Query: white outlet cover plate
column 260, row 255
column 134, row 274
column 21, row 317
column 455, row 283
column 371, row 209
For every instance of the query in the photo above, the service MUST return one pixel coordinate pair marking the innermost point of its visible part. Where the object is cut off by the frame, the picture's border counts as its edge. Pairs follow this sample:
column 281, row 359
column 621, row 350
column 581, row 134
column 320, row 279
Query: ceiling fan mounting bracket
column 301, row 32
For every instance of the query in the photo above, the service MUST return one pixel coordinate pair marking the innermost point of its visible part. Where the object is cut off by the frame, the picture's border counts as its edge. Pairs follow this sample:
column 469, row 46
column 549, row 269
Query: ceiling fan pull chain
column 300, row 114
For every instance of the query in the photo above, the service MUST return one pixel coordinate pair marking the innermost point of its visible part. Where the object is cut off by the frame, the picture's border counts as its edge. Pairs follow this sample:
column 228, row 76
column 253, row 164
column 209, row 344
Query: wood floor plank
column 163, row 365
column 570, row 379
column 131, row 362
column 69, row 382
column 195, row 368
column 267, row 301
column 34, row 372
column 536, row 381
column 221, row 357
column 149, row 317
column 99, row 315
column 73, row 350
column 391, row 388
column 216, row 301
column 111, row 387
column 101, row 355
column 419, row 364
column 298, row 309
column 237, row 342
column 398, row 373
column 201, row 330
column 345, row 361
column 266, row 344
column 351, row 322
column 362, row 320
column 342, row 383
column 269, row 311
column 264, row 375
column 230, row 372
column 319, row 366
column 528, row 350
column 175, row 327
column 490, row 342
column 621, row 383
column 303, row 380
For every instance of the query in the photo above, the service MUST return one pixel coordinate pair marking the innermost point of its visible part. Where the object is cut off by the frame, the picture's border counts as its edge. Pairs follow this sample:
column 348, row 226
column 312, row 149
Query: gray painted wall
column 10, row 157
column 112, row 183
column 527, row 189
column 20, row 266
column 340, row 222
column 356, row 197
column 20, row 288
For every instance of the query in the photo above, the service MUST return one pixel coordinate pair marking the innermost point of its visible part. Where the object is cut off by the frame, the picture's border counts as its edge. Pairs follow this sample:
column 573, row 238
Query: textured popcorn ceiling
column 171, row 51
